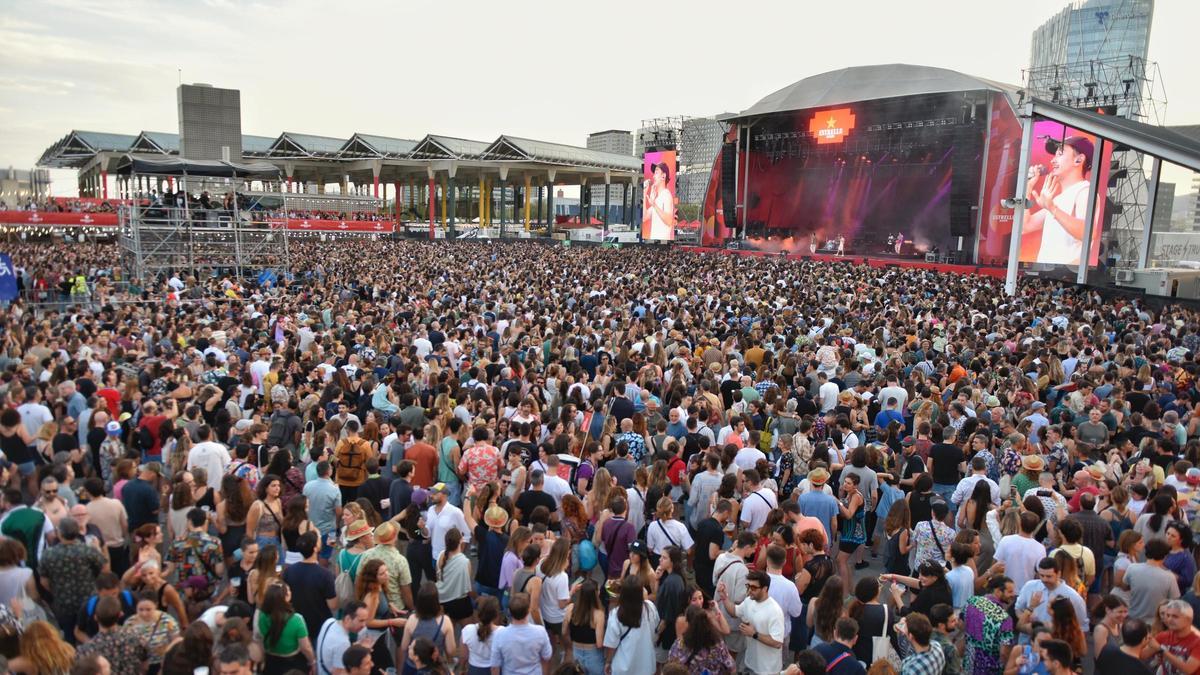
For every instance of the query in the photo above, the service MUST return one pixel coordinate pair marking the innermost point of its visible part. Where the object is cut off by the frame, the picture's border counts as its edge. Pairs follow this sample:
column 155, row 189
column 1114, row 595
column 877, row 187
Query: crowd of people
column 63, row 205
column 515, row 458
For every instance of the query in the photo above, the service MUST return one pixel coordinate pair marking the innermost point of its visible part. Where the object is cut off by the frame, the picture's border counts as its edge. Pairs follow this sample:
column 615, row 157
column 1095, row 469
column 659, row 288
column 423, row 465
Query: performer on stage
column 899, row 242
column 841, row 252
column 1063, row 198
column 812, row 244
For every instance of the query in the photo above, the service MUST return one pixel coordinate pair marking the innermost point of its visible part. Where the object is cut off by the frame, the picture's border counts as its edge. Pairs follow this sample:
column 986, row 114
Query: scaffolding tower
column 696, row 140
column 1125, row 86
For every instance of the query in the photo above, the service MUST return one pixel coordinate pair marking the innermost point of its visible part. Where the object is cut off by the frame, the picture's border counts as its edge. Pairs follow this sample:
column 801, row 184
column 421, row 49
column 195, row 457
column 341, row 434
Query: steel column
column 1014, row 244
column 1089, row 217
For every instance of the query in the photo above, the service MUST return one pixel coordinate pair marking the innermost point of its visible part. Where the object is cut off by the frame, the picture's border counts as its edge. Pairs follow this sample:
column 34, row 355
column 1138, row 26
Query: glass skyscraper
column 1067, row 48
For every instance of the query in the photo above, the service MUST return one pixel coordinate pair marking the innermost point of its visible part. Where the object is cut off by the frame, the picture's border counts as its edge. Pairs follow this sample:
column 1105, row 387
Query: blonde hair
column 42, row 647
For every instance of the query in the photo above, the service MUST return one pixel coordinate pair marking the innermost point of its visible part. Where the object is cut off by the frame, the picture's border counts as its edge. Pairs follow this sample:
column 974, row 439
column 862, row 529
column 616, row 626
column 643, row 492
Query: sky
column 555, row 71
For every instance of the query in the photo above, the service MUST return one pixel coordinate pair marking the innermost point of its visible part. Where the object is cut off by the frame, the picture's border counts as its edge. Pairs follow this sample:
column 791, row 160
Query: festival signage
column 57, row 219
column 8, row 279
column 355, row 226
column 831, row 126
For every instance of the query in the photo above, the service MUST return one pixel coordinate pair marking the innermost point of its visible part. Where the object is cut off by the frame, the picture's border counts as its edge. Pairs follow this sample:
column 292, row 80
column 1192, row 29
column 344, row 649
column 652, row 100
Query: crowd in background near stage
column 514, row 458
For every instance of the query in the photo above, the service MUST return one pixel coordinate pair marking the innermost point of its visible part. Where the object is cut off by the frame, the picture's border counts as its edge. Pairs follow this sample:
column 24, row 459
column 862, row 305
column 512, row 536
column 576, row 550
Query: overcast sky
column 548, row 70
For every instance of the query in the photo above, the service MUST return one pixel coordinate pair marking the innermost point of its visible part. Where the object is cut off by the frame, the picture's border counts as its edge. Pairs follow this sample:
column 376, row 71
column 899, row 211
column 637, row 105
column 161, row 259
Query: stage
column 872, row 261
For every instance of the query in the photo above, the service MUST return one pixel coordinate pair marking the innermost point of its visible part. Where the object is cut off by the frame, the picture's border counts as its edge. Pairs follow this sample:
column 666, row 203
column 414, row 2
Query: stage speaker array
column 729, row 183
column 967, row 159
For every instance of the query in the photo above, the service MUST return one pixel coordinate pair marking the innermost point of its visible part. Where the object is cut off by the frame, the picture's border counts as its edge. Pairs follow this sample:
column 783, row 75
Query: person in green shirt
column 449, row 455
column 285, row 635
column 1027, row 478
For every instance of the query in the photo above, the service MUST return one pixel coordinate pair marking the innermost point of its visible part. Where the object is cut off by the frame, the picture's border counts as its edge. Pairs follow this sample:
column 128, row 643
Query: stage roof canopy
column 868, row 83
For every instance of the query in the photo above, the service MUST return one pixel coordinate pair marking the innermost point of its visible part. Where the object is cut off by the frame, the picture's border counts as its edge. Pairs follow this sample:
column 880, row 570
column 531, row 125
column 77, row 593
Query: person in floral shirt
column 125, row 650
column 700, row 648
column 198, row 553
column 480, row 464
column 989, row 628
column 156, row 628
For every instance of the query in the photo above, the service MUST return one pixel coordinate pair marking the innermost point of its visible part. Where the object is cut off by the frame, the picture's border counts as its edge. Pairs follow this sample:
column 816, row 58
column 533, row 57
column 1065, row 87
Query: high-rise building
column 1068, row 47
column 615, row 141
column 618, row 142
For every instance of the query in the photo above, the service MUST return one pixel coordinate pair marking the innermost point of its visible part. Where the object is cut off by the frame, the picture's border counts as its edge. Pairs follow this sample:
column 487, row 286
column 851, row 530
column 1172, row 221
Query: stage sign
column 831, row 126
column 658, row 195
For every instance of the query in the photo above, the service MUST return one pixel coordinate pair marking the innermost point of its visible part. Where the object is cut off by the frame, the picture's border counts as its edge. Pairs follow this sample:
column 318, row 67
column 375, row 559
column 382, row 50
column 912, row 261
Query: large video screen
column 1063, row 171
column 658, row 195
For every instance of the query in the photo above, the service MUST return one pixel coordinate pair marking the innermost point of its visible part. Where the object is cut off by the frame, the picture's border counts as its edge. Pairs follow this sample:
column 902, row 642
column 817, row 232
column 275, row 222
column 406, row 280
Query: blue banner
column 267, row 277
column 8, row 279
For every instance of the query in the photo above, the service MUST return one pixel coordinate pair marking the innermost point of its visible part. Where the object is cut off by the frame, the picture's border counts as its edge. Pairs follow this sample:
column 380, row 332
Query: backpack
column 343, row 585
column 351, row 463
column 143, row 439
column 277, row 436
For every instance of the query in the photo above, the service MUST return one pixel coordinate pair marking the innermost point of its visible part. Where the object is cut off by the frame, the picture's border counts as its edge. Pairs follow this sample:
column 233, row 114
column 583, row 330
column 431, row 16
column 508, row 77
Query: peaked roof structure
column 447, row 147
column 526, row 149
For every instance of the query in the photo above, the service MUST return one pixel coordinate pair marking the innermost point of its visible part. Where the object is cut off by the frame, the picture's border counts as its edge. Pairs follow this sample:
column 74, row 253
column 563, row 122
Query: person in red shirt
column 152, row 420
column 424, row 458
column 1085, row 483
column 1178, row 646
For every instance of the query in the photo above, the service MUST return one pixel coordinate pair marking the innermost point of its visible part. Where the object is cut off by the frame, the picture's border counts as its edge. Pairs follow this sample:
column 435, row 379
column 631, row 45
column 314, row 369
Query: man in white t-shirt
column 757, row 503
column 783, row 590
column 209, row 455
column 554, row 485
column 827, row 392
column 761, row 623
column 1021, row 553
column 334, row 638
column 1063, row 200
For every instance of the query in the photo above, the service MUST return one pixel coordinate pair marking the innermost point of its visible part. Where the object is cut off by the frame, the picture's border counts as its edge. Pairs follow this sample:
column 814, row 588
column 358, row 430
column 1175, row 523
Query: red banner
column 357, row 226
column 95, row 201
column 57, row 219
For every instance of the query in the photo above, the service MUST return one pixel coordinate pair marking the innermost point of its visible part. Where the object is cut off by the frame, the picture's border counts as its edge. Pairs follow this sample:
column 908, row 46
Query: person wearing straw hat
column 1027, row 478
column 819, row 504
column 492, row 541
column 399, row 584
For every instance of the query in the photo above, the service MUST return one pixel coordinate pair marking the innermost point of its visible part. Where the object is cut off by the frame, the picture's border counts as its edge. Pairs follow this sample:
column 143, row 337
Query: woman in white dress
column 659, row 204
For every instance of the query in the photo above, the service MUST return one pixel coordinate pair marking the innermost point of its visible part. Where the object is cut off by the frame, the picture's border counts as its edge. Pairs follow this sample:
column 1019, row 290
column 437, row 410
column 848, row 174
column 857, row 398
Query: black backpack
column 143, row 439
column 277, row 436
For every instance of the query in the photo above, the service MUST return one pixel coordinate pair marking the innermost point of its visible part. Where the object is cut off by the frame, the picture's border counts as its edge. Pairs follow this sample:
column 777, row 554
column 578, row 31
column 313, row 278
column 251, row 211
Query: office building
column 1067, row 49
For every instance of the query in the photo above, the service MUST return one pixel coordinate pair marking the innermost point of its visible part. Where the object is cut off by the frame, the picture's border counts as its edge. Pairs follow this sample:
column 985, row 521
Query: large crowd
column 516, row 458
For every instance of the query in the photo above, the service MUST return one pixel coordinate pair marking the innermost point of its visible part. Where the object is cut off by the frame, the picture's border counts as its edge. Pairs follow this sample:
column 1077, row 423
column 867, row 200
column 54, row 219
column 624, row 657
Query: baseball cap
column 638, row 547
column 113, row 428
column 440, row 487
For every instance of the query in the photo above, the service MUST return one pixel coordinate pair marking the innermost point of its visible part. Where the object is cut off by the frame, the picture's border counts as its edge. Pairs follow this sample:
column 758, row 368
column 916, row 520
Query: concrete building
column 617, row 142
column 17, row 186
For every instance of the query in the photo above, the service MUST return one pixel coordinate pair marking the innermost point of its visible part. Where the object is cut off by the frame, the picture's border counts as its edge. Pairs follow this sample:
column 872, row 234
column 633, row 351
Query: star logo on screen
column 831, row 126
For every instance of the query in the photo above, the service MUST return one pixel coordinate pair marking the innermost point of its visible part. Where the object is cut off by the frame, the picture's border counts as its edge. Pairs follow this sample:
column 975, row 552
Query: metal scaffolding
column 696, row 140
column 1126, row 86
column 189, row 239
